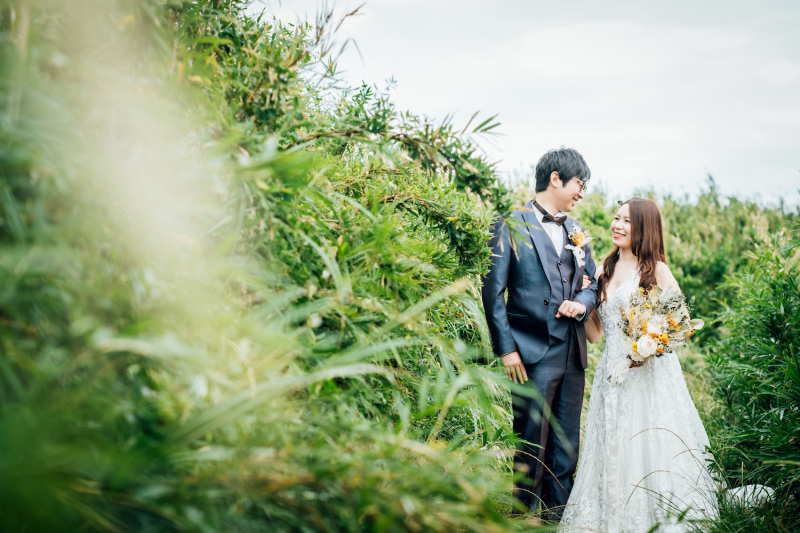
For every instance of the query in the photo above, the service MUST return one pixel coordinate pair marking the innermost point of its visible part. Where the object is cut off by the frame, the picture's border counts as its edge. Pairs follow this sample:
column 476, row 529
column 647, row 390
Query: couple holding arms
column 643, row 459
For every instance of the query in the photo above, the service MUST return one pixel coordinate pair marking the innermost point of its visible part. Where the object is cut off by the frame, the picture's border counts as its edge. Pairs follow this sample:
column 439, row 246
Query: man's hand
column 570, row 309
column 514, row 367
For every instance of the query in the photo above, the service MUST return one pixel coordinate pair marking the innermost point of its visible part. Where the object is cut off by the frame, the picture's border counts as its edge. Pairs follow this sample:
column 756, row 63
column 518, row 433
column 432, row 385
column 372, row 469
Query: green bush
column 235, row 297
column 756, row 376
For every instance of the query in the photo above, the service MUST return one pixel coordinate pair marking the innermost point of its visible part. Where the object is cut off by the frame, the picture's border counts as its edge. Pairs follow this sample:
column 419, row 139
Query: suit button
column 564, row 280
column 547, row 302
column 559, row 263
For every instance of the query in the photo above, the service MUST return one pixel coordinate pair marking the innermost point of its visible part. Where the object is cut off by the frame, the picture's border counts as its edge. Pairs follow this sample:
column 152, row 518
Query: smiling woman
column 644, row 459
column 638, row 245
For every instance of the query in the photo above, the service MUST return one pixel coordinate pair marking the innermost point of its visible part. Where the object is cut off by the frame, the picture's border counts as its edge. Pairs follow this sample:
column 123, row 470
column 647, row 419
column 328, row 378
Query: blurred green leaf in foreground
column 234, row 296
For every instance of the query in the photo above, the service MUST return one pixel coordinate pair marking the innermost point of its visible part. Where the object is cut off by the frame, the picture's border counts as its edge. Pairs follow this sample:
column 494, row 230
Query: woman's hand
column 586, row 282
column 635, row 364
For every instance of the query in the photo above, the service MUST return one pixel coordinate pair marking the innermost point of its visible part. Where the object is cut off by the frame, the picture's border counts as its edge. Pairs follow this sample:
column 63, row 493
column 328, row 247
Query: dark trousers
column 547, row 459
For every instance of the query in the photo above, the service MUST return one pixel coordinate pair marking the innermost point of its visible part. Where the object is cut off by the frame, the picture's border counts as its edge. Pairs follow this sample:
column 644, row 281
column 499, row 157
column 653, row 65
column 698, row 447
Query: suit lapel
column 536, row 231
column 578, row 279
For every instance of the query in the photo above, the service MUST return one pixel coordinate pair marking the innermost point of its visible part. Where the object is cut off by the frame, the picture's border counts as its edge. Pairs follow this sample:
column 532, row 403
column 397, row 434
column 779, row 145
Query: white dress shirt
column 553, row 231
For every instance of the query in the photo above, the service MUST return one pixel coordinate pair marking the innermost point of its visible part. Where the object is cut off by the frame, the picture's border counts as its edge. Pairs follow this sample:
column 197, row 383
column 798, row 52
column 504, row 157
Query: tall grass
column 234, row 296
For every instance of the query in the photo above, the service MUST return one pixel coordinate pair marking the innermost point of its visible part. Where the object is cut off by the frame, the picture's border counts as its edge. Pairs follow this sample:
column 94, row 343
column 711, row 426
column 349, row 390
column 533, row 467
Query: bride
column 643, row 460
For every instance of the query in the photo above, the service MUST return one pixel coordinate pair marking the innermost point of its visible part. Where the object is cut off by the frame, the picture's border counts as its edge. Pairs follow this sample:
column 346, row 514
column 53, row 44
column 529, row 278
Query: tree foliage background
column 237, row 295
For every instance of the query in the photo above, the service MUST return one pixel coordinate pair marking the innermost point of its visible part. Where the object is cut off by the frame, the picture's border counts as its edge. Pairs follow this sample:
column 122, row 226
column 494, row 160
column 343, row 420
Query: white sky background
column 653, row 94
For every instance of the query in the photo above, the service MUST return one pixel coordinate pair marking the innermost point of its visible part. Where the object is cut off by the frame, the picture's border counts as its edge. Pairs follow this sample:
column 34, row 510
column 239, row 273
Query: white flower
column 646, row 346
column 578, row 252
column 657, row 324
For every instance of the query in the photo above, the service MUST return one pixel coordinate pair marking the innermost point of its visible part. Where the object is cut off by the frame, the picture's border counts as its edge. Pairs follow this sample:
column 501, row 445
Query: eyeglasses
column 584, row 184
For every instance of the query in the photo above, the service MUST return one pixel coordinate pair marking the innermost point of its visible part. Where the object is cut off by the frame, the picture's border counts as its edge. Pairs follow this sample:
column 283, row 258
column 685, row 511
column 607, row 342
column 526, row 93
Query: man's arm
column 494, row 288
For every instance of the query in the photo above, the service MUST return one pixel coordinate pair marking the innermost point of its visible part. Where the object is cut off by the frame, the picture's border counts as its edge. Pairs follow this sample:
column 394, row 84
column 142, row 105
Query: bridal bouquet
column 655, row 322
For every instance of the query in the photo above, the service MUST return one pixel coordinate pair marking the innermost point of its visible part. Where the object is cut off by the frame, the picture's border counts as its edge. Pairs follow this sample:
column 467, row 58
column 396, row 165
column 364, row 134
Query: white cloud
column 652, row 95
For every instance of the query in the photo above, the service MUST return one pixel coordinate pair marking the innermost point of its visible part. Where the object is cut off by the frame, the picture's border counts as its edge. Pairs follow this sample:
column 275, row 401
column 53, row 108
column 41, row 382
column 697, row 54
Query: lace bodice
column 610, row 315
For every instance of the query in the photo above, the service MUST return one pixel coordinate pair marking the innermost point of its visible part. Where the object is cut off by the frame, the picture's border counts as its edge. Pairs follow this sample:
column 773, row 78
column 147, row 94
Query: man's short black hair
column 568, row 162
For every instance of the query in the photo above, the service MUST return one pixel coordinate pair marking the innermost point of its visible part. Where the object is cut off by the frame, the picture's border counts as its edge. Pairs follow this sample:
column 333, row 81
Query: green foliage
column 711, row 239
column 234, row 296
column 756, row 372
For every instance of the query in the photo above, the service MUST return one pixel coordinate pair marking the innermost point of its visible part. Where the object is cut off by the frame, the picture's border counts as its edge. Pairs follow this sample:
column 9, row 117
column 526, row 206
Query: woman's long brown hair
column 647, row 244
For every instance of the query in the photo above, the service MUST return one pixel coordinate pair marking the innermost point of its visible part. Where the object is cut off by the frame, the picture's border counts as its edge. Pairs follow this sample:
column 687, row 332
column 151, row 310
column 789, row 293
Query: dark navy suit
column 538, row 278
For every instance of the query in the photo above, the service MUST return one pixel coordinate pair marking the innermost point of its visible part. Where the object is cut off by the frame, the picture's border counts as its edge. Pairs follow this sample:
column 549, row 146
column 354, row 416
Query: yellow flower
column 633, row 348
column 661, row 337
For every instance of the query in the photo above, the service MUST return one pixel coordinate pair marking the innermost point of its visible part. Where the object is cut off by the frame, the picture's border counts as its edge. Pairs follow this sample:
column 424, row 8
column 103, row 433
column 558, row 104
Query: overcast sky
column 653, row 94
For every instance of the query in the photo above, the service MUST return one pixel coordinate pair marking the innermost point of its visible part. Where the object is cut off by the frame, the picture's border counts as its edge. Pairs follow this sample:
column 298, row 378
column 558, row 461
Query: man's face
column 568, row 195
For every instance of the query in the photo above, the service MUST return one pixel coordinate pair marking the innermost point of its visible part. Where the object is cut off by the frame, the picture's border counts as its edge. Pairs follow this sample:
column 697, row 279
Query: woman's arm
column 664, row 277
column 594, row 330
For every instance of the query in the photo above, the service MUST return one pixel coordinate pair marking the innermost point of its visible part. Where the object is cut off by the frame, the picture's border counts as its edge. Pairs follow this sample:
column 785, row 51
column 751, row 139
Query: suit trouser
column 546, row 459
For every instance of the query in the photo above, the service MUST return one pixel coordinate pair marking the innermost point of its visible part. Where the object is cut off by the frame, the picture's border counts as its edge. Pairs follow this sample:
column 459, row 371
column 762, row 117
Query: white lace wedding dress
column 643, row 457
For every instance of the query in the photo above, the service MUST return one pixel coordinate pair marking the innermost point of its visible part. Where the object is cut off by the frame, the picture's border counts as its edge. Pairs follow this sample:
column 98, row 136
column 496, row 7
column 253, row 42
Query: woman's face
column 621, row 228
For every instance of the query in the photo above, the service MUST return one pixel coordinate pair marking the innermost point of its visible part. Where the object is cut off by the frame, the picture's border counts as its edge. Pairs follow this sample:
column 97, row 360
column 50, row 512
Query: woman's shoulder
column 662, row 269
column 664, row 276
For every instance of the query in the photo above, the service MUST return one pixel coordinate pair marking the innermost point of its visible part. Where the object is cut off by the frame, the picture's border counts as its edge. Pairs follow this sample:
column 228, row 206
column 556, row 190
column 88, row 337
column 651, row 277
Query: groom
column 539, row 332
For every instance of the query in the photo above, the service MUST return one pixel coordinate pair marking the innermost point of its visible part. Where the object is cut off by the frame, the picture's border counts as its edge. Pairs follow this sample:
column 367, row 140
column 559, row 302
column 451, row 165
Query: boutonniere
column 579, row 237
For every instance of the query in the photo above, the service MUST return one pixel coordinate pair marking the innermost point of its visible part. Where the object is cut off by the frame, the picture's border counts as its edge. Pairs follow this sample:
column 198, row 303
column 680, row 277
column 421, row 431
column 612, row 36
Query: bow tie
column 557, row 220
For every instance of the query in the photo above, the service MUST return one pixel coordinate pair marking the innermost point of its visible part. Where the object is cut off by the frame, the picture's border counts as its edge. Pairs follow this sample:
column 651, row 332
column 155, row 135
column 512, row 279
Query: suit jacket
column 522, row 324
